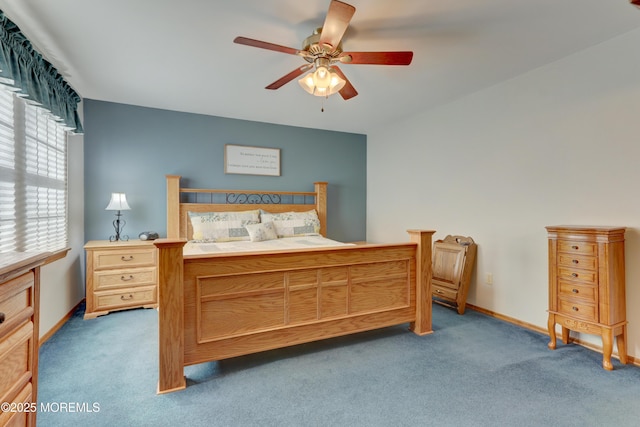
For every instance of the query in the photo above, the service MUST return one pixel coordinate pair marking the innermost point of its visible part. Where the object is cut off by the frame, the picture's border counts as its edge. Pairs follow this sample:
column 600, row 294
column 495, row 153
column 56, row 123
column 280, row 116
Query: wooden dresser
column 587, row 285
column 120, row 275
column 453, row 261
column 19, row 320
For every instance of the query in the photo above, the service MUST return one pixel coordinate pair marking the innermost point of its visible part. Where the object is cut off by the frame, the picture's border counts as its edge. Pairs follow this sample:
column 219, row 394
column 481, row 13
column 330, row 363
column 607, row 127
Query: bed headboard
column 182, row 200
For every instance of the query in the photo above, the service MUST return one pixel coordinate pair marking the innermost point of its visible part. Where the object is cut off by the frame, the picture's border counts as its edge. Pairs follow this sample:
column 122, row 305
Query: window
column 33, row 177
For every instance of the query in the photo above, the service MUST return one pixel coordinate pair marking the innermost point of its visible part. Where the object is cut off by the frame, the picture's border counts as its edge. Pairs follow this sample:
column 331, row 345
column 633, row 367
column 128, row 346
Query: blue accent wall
column 130, row 149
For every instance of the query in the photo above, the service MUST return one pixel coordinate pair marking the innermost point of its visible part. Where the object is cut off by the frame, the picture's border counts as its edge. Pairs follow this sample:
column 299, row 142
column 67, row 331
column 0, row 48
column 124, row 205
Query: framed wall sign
column 247, row 160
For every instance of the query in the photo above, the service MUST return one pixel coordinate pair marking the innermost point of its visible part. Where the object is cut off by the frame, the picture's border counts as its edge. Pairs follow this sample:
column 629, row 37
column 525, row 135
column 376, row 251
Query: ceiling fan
column 323, row 50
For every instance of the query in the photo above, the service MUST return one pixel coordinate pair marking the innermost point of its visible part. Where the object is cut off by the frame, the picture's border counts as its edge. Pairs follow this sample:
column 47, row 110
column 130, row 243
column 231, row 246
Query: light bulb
column 322, row 78
column 322, row 82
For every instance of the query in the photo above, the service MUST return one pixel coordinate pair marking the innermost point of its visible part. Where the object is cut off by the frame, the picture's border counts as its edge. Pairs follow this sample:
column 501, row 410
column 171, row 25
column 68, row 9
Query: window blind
column 7, row 173
column 33, row 177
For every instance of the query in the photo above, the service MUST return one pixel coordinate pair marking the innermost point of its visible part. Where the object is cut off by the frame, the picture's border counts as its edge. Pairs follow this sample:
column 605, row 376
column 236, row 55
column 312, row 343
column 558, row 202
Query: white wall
column 558, row 145
column 62, row 283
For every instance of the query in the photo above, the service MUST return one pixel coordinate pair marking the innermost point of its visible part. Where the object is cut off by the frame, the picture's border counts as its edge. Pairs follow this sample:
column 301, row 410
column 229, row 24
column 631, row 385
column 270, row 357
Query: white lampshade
column 118, row 202
column 322, row 82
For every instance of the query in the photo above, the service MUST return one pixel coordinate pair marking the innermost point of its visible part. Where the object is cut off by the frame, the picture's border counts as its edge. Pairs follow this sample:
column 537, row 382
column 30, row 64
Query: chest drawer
column 114, row 279
column 577, row 248
column 577, row 309
column 577, row 261
column 575, row 274
column 578, row 291
column 124, row 258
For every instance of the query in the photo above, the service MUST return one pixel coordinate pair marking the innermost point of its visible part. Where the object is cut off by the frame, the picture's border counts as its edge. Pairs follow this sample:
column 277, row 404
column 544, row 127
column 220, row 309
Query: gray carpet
column 473, row 371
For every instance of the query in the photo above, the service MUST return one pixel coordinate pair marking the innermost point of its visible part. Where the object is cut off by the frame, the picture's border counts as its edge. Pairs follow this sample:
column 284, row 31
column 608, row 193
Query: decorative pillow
column 261, row 232
column 290, row 224
column 222, row 226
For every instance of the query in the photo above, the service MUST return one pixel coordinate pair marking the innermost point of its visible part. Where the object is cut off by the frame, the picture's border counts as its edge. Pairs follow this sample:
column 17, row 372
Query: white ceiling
column 179, row 54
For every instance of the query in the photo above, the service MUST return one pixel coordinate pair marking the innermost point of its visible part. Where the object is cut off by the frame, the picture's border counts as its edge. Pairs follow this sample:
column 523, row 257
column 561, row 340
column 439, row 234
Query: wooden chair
column 453, row 261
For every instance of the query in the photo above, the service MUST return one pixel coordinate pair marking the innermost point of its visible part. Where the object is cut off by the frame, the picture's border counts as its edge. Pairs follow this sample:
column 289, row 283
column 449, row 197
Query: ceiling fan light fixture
column 322, row 82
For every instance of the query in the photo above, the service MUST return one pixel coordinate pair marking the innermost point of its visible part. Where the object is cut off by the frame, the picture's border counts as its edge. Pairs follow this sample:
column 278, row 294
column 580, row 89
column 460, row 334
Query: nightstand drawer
column 569, row 290
column 136, row 297
column 124, row 258
column 577, row 310
column 114, row 279
column 577, row 261
column 579, row 248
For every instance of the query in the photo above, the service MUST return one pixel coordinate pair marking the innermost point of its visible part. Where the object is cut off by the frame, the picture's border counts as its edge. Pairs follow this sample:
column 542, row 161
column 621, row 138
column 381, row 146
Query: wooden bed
column 218, row 306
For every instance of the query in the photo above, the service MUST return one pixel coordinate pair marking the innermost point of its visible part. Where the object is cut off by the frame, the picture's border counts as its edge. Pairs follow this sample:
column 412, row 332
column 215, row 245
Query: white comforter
column 300, row 242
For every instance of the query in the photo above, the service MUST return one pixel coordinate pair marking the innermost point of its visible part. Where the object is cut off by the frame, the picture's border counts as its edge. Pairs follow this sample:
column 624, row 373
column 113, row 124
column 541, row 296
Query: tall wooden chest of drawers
column 19, row 319
column 587, row 285
column 120, row 275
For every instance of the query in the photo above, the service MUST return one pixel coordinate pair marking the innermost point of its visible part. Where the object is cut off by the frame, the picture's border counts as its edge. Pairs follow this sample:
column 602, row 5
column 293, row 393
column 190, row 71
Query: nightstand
column 120, row 275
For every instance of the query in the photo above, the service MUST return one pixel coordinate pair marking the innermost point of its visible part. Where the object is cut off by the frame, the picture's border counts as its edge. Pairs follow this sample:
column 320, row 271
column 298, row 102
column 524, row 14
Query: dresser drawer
column 115, row 279
column 443, row 292
column 577, row 261
column 578, row 309
column 124, row 258
column 571, row 290
column 15, row 359
column 586, row 276
column 15, row 299
column 24, row 399
column 578, row 248
column 122, row 299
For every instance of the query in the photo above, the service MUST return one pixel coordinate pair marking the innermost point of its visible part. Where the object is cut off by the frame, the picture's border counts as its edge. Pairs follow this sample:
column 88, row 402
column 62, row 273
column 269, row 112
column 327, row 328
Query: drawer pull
column 126, row 298
column 575, row 261
column 125, row 278
column 574, row 247
column 1, row 317
column 574, row 274
column 127, row 258
column 438, row 291
column 575, row 291
column 574, row 308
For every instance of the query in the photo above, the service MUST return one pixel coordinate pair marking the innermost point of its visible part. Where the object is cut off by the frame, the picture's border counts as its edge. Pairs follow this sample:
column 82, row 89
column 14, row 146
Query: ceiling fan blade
column 266, row 45
column 292, row 75
column 336, row 23
column 347, row 91
column 377, row 58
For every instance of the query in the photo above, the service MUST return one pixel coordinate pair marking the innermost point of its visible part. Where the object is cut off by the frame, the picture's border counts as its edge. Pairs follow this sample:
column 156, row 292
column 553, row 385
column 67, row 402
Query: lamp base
column 118, row 225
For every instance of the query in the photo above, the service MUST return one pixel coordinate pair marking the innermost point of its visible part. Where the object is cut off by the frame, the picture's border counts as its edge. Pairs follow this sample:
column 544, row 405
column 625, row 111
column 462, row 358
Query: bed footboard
column 220, row 306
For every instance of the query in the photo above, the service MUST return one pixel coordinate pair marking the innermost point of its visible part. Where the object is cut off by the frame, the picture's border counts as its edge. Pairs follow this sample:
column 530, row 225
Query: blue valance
column 34, row 78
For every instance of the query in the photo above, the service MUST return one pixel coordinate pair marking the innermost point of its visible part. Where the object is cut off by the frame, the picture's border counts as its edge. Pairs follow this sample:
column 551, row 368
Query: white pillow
column 261, row 232
column 222, row 226
column 290, row 224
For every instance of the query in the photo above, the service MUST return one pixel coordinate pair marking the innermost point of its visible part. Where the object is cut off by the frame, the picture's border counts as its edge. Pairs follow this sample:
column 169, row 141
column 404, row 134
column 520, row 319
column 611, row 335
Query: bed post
column 321, row 205
column 422, row 324
column 170, row 315
column 173, row 206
